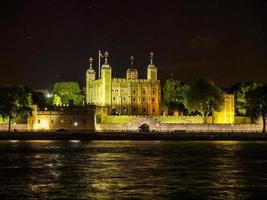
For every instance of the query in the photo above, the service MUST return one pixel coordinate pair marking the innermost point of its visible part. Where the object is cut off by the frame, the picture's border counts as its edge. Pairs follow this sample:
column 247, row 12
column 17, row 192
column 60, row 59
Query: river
column 133, row 170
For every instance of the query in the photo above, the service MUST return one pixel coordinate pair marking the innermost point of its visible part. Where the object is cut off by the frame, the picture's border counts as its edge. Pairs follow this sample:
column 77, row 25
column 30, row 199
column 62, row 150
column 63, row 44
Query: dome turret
column 151, row 69
column 91, row 70
column 151, row 65
column 132, row 72
column 106, row 65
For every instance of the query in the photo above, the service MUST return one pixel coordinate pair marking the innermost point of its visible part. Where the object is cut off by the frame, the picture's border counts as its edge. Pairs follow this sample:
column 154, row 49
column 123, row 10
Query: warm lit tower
column 90, row 76
column 132, row 71
column 151, row 69
column 106, row 74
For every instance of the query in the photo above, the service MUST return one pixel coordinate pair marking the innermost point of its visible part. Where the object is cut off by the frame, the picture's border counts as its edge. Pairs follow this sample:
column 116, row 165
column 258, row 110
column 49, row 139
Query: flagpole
column 99, row 60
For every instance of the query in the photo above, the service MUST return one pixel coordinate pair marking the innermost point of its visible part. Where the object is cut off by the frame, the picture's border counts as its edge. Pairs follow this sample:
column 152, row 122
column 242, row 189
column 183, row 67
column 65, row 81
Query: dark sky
column 42, row 42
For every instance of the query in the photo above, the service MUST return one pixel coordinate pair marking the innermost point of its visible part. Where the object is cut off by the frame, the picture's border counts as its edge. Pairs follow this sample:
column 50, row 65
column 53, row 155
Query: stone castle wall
column 181, row 127
column 17, row 127
column 172, row 123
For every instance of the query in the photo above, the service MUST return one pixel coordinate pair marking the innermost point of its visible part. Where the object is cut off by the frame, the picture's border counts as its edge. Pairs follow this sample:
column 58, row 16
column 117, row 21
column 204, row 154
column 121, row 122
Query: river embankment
column 201, row 136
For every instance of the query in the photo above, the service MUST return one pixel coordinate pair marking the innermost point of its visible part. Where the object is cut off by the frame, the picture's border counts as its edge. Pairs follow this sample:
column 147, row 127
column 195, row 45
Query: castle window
column 144, row 110
column 39, row 121
column 124, row 98
column 134, row 91
column 52, row 121
column 143, row 99
column 134, row 109
column 113, row 98
column 153, row 110
column 153, row 92
column 133, row 99
column 144, row 91
column 153, row 99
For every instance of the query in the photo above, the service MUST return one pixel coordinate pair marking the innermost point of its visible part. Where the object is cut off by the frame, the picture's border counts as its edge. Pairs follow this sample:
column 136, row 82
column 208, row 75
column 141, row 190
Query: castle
column 124, row 96
column 125, row 104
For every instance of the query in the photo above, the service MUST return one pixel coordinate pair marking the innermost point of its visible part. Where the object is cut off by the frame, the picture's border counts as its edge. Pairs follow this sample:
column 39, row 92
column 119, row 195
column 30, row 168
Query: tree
column 174, row 95
column 257, row 104
column 56, row 100
column 240, row 90
column 68, row 92
column 204, row 97
column 15, row 101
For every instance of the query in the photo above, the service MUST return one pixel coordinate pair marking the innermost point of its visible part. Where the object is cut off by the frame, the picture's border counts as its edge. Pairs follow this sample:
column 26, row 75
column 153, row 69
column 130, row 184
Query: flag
column 99, row 54
column 99, row 63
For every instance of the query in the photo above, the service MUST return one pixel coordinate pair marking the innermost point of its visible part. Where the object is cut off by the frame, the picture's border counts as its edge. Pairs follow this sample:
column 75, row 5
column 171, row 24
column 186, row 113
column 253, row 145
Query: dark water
column 133, row 170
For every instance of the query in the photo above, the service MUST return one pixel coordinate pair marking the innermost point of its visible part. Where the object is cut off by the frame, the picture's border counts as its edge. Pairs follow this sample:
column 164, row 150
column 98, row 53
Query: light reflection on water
column 133, row 169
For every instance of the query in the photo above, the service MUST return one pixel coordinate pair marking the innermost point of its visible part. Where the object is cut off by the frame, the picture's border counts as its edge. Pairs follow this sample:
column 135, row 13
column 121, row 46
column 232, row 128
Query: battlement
column 130, row 80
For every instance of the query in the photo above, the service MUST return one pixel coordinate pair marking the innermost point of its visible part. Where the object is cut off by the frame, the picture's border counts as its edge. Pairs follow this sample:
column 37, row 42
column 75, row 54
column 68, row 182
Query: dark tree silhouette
column 257, row 104
column 174, row 95
column 14, row 101
column 204, row 97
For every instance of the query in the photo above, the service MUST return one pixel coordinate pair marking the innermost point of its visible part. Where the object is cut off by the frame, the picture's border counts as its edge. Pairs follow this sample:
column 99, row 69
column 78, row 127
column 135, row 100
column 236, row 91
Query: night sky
column 42, row 42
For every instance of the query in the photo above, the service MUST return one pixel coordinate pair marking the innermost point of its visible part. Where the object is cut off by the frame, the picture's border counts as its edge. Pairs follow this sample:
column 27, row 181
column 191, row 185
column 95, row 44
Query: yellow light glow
column 74, row 141
column 13, row 141
column 44, row 124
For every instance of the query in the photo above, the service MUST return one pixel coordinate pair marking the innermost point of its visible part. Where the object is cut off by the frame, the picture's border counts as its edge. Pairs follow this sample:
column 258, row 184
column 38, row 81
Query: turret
column 132, row 72
column 91, row 72
column 151, row 69
column 90, row 76
column 106, row 75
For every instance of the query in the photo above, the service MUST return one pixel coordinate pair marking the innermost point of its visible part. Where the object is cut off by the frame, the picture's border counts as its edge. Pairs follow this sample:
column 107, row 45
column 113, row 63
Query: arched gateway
column 144, row 124
column 144, row 128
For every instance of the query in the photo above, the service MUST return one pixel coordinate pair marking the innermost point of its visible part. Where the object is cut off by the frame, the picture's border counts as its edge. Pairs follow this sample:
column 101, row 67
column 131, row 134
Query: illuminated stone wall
column 227, row 113
column 135, row 97
column 133, row 124
column 14, row 127
column 68, row 118
column 152, row 73
column 181, row 119
column 124, row 96
column 94, row 93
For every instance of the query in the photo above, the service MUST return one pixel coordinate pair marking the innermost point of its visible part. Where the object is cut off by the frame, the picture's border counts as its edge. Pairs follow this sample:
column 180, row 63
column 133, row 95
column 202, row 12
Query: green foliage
column 256, row 103
column 15, row 101
column 56, row 100
column 240, row 90
column 174, row 94
column 68, row 92
column 204, row 97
